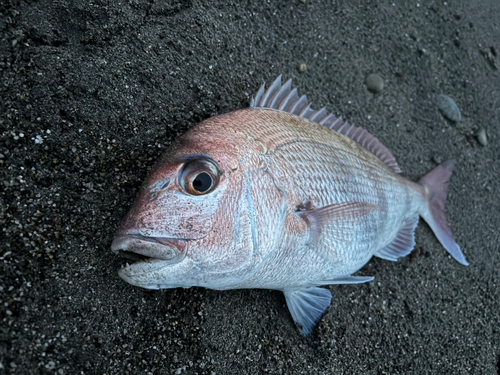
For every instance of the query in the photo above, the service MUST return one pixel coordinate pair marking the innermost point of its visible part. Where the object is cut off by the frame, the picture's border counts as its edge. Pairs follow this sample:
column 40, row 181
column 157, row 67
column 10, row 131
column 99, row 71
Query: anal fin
column 307, row 306
column 404, row 242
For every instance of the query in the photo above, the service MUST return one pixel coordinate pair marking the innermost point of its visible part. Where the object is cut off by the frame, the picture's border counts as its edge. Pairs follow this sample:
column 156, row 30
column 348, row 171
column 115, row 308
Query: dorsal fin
column 285, row 98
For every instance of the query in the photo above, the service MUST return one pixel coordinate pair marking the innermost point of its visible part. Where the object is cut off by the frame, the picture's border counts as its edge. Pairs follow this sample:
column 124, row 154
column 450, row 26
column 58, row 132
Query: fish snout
column 141, row 248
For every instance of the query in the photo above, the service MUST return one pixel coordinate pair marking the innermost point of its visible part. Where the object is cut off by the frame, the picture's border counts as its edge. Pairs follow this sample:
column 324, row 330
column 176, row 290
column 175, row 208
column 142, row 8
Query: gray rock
column 448, row 108
column 374, row 83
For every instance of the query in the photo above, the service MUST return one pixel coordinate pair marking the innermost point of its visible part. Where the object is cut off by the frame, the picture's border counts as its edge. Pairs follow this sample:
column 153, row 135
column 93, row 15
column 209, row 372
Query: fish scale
column 277, row 196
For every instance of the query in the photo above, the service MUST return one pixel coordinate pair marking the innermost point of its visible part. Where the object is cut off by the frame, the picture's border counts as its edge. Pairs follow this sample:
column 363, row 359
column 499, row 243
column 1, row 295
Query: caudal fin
column 435, row 184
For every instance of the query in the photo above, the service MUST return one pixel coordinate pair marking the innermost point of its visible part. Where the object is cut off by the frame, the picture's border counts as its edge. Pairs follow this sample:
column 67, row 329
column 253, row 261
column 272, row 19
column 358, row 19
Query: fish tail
column 435, row 184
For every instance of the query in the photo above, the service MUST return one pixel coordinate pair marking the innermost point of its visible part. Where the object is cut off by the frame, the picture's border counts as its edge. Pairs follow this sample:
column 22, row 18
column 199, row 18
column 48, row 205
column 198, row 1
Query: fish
column 277, row 196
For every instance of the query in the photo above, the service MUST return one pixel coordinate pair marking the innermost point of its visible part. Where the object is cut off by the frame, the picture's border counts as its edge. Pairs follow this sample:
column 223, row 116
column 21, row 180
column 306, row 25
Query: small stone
column 374, row 83
column 437, row 159
column 50, row 366
column 481, row 137
column 448, row 108
column 302, row 68
column 491, row 55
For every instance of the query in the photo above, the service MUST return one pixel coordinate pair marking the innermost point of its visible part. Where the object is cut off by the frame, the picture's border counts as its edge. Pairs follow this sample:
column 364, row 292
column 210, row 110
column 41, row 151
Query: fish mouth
column 143, row 249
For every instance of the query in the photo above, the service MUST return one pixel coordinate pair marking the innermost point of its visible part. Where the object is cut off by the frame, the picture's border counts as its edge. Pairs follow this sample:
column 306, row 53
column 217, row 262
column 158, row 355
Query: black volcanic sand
column 93, row 92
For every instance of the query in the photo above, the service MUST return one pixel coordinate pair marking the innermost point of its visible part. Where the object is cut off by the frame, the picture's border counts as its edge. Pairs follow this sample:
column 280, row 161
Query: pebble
column 50, row 366
column 302, row 68
column 481, row 137
column 374, row 83
column 448, row 107
column 437, row 159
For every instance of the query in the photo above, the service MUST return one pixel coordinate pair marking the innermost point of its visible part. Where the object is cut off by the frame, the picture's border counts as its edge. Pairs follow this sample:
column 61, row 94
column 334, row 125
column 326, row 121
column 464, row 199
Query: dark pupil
column 202, row 182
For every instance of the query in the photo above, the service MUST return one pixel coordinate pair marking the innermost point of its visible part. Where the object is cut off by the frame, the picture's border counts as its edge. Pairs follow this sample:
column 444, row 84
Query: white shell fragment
column 448, row 108
column 481, row 137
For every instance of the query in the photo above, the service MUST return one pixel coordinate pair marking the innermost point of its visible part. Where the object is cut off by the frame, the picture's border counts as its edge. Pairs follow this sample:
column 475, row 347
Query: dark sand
column 109, row 85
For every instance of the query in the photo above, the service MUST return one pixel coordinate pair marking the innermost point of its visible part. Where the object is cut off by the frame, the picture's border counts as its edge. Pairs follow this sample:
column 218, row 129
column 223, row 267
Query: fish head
column 183, row 229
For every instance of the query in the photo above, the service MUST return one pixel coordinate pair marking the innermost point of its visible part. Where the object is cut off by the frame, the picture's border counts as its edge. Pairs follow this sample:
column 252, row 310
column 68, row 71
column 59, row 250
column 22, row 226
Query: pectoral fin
column 345, row 211
column 307, row 306
column 344, row 216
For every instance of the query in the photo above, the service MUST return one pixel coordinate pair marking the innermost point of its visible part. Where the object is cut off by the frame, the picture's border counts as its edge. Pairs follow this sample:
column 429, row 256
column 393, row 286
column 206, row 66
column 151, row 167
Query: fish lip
column 141, row 248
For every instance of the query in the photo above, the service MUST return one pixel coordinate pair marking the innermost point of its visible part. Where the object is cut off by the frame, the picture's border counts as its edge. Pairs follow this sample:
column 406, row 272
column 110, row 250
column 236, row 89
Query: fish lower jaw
column 142, row 273
column 150, row 275
column 142, row 267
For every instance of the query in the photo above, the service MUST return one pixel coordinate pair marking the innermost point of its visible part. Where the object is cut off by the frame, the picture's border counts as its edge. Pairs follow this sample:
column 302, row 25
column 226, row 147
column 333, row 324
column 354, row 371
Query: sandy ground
column 93, row 92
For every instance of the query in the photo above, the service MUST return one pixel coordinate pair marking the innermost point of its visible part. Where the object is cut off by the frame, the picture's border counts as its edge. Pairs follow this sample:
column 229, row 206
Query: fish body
column 277, row 196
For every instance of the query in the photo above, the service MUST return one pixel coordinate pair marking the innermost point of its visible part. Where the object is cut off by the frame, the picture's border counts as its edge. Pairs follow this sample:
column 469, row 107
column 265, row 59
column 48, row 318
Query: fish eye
column 199, row 177
column 202, row 182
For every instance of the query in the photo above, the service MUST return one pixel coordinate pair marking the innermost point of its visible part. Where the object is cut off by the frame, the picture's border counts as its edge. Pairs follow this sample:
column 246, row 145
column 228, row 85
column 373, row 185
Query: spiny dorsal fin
column 284, row 98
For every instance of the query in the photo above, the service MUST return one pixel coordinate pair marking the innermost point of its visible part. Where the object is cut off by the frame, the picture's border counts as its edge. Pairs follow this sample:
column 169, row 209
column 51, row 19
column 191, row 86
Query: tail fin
column 435, row 185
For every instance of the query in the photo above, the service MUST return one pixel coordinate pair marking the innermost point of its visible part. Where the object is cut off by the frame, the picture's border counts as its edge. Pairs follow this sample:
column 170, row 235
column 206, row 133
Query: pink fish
column 277, row 196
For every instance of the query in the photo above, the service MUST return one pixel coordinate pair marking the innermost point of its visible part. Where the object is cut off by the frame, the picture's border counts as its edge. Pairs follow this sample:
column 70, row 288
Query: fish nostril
column 165, row 185
column 158, row 190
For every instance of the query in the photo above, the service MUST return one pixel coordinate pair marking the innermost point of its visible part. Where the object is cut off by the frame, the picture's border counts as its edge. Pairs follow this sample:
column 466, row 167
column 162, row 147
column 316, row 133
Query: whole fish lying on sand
column 277, row 196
